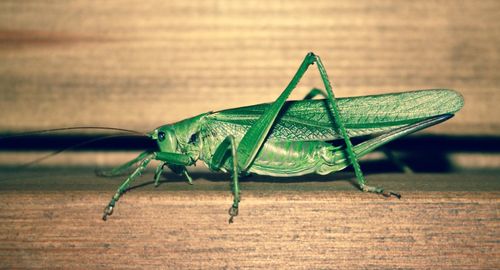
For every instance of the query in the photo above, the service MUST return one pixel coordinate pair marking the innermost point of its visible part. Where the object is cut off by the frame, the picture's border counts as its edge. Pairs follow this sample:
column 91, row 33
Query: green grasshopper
column 291, row 138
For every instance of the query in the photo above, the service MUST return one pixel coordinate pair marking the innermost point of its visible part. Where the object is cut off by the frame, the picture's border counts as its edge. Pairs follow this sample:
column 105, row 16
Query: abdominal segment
column 298, row 158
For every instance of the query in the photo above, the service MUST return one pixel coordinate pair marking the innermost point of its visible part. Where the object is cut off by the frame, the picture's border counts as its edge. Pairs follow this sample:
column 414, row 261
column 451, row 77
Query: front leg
column 124, row 186
column 124, row 167
column 167, row 158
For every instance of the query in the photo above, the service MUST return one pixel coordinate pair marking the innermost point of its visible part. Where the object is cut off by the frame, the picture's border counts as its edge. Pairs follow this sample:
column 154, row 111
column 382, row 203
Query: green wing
column 308, row 120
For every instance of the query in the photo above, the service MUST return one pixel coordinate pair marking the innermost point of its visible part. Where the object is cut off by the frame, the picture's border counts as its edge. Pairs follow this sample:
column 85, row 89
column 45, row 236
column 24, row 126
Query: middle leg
column 218, row 161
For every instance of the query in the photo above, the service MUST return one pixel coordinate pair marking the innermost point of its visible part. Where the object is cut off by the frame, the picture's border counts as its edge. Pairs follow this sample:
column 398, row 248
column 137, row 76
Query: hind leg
column 314, row 93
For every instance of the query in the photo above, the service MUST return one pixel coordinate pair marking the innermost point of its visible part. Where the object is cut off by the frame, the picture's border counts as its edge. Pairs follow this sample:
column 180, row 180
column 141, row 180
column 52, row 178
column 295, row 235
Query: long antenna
column 137, row 133
column 70, row 128
column 40, row 159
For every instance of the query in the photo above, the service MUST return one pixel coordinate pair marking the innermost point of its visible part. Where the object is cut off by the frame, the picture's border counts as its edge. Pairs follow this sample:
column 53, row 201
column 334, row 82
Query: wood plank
column 50, row 218
column 139, row 65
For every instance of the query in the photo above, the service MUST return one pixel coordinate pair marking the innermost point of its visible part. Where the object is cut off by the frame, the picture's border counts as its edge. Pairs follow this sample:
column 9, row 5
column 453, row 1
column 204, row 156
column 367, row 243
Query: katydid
column 291, row 138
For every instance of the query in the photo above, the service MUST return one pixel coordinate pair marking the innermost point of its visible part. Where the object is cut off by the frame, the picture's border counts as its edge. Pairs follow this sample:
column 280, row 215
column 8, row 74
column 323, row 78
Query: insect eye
column 161, row 136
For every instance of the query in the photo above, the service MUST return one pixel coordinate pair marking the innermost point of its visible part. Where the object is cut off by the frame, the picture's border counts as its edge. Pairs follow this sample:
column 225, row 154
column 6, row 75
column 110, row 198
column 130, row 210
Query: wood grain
column 52, row 220
column 138, row 64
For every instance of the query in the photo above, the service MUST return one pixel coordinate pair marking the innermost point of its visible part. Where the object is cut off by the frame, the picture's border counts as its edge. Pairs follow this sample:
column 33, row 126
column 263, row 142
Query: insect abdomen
column 298, row 158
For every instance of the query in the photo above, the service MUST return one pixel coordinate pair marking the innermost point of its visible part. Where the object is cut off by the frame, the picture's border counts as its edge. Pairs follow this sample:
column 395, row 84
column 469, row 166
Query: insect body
column 291, row 138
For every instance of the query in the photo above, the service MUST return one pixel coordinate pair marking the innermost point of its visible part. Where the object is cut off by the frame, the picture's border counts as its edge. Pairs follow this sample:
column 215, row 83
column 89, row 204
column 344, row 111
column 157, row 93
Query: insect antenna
column 40, row 159
column 35, row 132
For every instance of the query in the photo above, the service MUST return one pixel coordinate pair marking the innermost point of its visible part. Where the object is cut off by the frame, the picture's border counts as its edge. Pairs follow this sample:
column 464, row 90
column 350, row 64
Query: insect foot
column 233, row 211
column 378, row 190
column 390, row 193
column 108, row 210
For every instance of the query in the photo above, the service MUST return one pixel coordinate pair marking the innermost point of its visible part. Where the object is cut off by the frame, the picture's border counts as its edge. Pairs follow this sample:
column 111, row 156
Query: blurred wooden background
column 140, row 64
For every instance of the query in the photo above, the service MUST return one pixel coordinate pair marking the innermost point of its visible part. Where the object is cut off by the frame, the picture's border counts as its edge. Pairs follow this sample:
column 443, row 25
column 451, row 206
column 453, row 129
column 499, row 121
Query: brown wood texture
column 140, row 64
column 52, row 219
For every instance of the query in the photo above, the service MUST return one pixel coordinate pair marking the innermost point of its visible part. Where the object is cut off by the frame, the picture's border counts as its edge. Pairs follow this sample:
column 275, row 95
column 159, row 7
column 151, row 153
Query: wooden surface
column 51, row 218
column 140, row 64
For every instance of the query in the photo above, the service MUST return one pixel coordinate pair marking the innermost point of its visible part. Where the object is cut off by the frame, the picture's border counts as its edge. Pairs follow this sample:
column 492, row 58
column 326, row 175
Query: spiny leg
column 124, row 167
column 124, row 186
column 352, row 156
column 169, row 158
column 255, row 137
column 181, row 170
column 218, row 160
column 370, row 145
column 188, row 177
column 158, row 173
